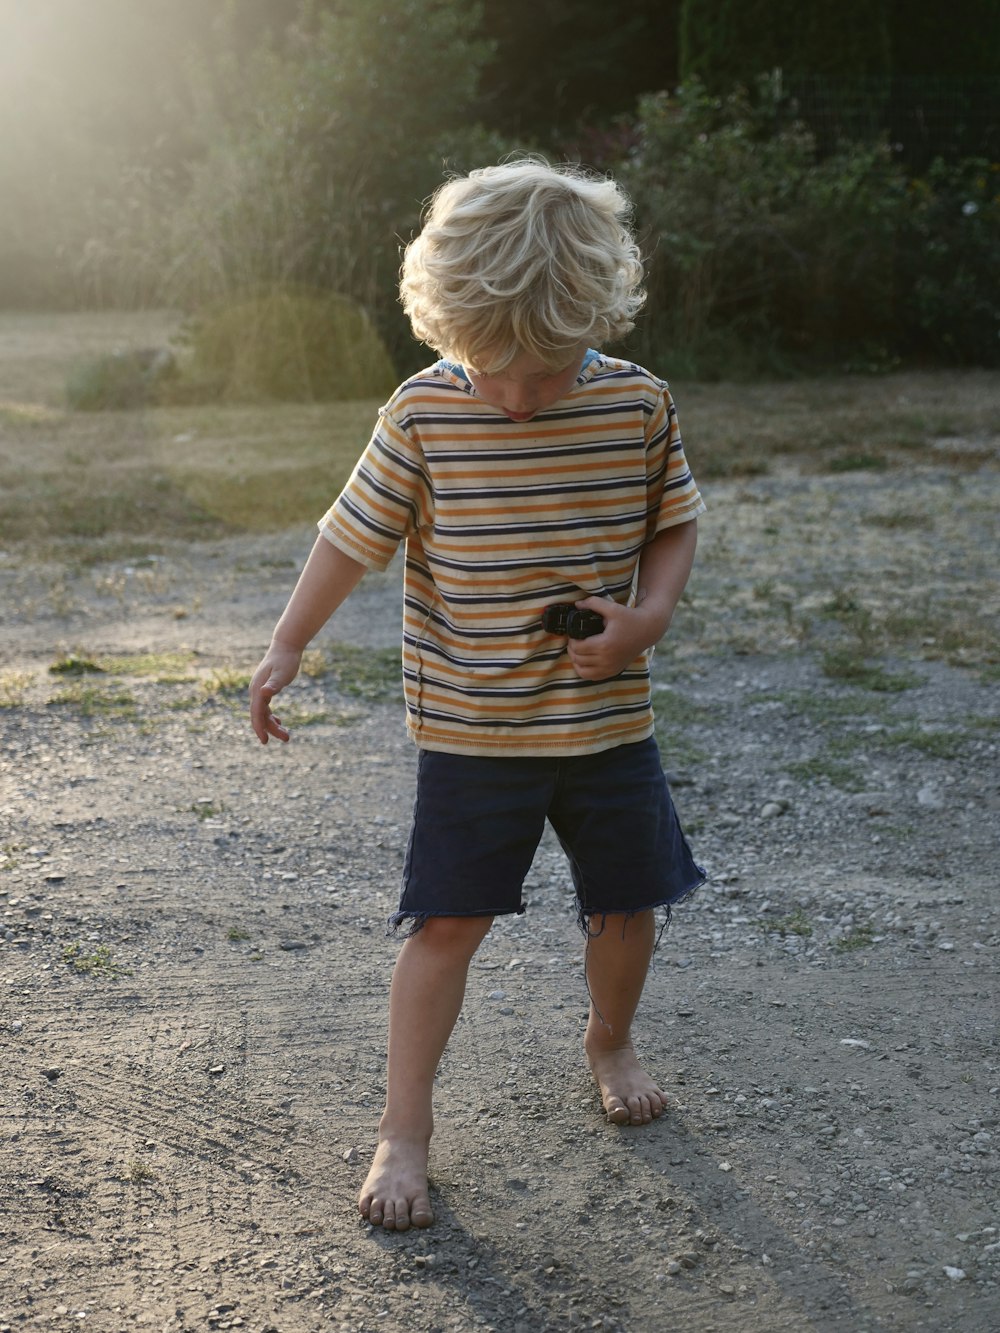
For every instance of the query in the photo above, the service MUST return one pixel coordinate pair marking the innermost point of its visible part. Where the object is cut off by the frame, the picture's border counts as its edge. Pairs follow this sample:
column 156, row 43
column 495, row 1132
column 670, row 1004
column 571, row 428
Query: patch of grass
column 858, row 463
column 9, row 855
column 845, row 665
column 14, row 685
column 167, row 668
column 900, row 520
column 227, row 682
column 823, row 706
column 796, row 923
column 236, row 934
column 858, row 938
column 939, row 744
column 139, row 1173
column 95, row 701
column 97, row 963
column 74, row 664
column 208, row 808
column 372, row 674
column 838, row 774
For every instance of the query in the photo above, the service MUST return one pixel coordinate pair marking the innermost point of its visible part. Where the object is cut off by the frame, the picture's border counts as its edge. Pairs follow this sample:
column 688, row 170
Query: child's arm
column 328, row 578
column 664, row 568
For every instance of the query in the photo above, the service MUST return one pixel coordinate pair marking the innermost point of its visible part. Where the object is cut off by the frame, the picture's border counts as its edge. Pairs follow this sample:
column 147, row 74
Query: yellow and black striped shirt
column 504, row 518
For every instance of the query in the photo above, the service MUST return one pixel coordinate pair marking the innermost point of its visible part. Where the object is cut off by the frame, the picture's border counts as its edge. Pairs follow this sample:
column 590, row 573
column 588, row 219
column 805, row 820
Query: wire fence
column 923, row 118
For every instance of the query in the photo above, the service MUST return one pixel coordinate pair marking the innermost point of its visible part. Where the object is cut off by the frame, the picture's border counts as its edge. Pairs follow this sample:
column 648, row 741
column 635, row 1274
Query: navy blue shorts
column 477, row 822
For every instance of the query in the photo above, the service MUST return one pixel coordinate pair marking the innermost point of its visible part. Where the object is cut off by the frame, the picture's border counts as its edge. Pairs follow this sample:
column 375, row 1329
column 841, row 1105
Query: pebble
column 351, row 1157
column 956, row 1274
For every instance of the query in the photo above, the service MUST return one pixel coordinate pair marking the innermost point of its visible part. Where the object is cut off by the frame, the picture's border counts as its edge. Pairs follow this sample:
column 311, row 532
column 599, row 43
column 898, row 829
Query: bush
column 763, row 255
column 950, row 263
column 286, row 343
column 123, row 379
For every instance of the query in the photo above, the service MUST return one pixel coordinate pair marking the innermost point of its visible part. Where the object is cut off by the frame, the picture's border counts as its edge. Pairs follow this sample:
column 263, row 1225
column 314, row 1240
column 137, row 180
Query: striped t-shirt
column 500, row 520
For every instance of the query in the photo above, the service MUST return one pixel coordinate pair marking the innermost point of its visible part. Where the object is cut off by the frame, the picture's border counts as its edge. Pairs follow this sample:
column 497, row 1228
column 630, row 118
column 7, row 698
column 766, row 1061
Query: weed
column 842, row 603
column 858, row 938
column 227, row 682
column 138, row 1173
column 165, row 668
column 366, row 673
column 207, row 808
column 237, row 934
column 314, row 664
column 99, row 962
column 839, row 775
column 796, row 923
column 939, row 744
column 13, row 687
column 74, row 664
column 8, row 855
column 858, row 463
column 852, row 668
column 900, row 519
column 94, row 701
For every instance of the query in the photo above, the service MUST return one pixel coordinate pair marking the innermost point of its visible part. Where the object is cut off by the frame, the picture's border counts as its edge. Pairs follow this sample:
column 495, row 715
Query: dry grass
column 155, row 473
column 97, row 481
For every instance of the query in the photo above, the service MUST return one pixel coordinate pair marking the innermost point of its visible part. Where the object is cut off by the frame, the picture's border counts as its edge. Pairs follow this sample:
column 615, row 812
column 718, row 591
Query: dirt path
column 194, row 972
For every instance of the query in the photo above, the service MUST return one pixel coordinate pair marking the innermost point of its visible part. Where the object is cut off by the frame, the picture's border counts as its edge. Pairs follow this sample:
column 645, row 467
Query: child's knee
column 454, row 934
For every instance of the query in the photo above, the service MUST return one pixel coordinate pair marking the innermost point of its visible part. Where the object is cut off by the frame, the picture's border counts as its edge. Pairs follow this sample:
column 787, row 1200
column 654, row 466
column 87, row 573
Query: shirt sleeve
column 672, row 495
column 386, row 499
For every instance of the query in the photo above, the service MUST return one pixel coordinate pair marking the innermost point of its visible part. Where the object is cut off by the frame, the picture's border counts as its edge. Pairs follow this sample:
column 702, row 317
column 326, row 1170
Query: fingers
column 265, row 724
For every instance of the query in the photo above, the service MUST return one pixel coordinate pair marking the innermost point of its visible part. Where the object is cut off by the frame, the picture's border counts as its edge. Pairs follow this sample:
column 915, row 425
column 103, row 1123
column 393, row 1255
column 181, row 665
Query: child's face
column 527, row 386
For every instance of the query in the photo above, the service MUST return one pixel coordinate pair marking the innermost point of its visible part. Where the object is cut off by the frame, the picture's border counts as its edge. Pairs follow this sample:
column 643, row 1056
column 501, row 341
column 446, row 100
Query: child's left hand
column 628, row 632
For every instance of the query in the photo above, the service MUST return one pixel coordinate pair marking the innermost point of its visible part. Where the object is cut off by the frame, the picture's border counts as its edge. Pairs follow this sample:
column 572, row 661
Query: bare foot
column 629, row 1095
column 394, row 1195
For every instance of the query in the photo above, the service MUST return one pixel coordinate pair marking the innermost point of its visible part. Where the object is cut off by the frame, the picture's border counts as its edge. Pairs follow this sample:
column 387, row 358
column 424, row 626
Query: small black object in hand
column 564, row 618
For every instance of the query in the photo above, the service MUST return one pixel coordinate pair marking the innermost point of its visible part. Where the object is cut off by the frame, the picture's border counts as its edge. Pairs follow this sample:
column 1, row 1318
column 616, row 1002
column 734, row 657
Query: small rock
column 956, row 1274
column 771, row 809
column 52, row 1073
column 290, row 945
column 856, row 1041
column 930, row 797
column 351, row 1157
column 216, row 1070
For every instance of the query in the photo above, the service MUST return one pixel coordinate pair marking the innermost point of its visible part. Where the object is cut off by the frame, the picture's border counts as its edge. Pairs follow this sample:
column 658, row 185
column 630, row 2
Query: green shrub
column 289, row 343
column 950, row 262
column 763, row 255
column 123, row 379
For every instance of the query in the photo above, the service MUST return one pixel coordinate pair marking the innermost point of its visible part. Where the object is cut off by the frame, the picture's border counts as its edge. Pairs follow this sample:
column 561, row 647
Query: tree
column 559, row 62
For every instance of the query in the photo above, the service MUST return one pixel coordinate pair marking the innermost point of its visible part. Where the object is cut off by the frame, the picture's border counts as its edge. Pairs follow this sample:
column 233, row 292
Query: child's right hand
column 279, row 667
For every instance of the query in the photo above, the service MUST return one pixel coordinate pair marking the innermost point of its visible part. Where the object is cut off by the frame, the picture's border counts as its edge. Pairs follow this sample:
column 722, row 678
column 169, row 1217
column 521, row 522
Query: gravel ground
column 194, row 969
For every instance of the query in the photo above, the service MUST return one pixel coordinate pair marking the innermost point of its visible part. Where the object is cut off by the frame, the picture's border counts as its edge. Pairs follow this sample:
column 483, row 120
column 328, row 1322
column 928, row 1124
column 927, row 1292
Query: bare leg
column 617, row 962
column 428, row 986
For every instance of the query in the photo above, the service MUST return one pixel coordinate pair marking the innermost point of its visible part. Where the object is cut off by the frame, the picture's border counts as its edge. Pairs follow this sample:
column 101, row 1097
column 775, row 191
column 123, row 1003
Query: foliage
column 288, row 343
column 124, row 379
column 550, row 72
column 725, row 43
column 950, row 262
column 319, row 154
column 763, row 255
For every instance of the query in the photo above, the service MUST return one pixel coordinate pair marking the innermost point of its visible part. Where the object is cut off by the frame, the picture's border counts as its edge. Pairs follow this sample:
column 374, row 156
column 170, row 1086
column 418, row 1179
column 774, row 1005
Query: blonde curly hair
column 523, row 257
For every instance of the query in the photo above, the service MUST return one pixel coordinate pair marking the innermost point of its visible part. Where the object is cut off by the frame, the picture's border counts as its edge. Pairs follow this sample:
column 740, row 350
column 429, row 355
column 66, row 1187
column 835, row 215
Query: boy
column 549, row 519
